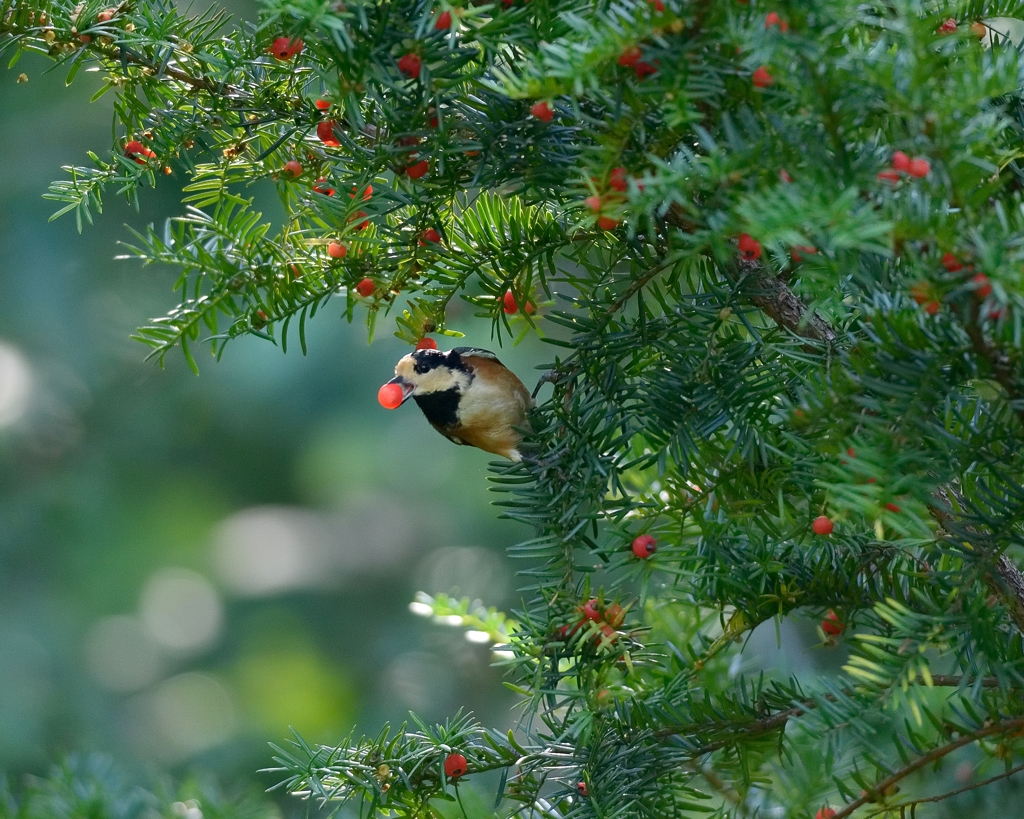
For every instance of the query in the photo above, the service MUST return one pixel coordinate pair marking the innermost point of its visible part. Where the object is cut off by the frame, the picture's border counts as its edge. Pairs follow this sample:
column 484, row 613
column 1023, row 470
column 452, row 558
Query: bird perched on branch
column 467, row 395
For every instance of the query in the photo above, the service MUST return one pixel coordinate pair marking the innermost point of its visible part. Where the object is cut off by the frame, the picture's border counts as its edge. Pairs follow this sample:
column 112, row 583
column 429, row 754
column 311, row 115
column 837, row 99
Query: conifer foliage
column 776, row 249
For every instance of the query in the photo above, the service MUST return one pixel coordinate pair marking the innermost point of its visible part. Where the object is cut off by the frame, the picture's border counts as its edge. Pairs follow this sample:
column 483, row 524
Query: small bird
column 467, row 395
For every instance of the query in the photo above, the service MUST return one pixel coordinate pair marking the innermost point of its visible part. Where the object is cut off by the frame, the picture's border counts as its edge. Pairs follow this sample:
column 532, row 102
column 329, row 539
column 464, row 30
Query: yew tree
column 777, row 253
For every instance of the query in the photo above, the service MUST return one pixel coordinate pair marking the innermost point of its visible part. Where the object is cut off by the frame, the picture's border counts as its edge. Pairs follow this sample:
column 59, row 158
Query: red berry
column 892, row 507
column 325, row 131
column 773, row 19
column 418, row 170
column 951, row 263
column 426, row 344
column 750, row 248
column 336, row 250
column 822, row 525
column 365, row 288
column 658, row 5
column 444, row 20
column 430, row 235
column 322, row 105
column 851, row 452
column 617, row 180
column 982, row 286
column 510, row 304
column 614, row 615
column 591, row 611
column 798, row 252
column 832, row 625
column 593, row 202
column 644, row 546
column 825, row 813
column 106, row 15
column 321, row 186
column 284, row 48
column 293, row 168
column 581, row 788
column 410, row 65
column 931, row 308
column 542, row 111
column 138, row 152
column 784, row 176
column 359, row 217
column 630, row 57
column 921, row 292
column 607, row 223
column 919, row 168
column 947, row 27
column 391, row 396
column 454, row 764
column 643, row 68
column 761, row 78
column 889, row 176
column 900, row 161
column 367, row 192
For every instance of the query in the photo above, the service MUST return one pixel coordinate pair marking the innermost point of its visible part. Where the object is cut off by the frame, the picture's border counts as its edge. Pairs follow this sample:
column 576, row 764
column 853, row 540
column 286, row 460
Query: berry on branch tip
column 750, row 248
column 919, row 167
column 510, row 305
column 336, row 250
column 293, row 168
column 951, row 263
column 542, row 111
column 900, row 161
column 581, row 788
column 410, row 65
column 418, row 169
column 444, row 20
column 325, row 132
column 822, row 525
column 365, row 288
column 644, row 546
column 761, row 78
column 591, row 611
column 284, row 48
column 454, row 764
column 630, row 57
column 426, row 344
column 832, row 625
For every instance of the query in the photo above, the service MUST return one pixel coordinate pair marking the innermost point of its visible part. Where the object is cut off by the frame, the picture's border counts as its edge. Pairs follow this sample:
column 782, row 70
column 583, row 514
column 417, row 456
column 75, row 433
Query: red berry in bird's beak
column 392, row 395
column 644, row 546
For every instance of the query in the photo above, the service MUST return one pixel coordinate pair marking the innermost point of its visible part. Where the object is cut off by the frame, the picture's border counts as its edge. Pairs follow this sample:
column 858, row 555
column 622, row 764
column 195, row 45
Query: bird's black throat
column 441, row 408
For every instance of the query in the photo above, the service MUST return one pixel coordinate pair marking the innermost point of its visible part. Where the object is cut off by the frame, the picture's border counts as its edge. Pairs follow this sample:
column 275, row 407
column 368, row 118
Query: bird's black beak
column 407, row 388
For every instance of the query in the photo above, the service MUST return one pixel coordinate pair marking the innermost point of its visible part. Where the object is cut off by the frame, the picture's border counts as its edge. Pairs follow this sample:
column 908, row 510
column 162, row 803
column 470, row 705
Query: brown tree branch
column 941, row 797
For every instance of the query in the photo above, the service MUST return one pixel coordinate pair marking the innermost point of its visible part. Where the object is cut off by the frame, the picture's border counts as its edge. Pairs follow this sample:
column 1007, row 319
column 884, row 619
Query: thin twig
column 941, row 797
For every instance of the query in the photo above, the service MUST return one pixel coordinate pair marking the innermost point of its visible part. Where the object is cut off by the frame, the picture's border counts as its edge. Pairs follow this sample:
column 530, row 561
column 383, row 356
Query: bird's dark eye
column 422, row 367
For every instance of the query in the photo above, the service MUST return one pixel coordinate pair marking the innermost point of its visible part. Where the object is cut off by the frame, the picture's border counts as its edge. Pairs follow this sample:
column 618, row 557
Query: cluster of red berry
column 611, row 197
column 918, row 167
column 925, row 293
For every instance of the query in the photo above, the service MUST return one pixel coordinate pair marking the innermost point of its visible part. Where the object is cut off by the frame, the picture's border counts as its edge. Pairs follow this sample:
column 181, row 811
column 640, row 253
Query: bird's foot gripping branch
column 775, row 253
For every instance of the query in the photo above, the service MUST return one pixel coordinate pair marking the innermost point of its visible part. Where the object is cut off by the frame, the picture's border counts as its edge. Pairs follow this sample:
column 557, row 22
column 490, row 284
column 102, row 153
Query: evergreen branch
column 926, row 759
column 942, row 797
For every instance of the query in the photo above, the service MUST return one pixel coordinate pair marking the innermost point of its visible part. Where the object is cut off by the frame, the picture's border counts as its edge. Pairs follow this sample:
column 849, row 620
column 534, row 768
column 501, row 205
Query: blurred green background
column 189, row 566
